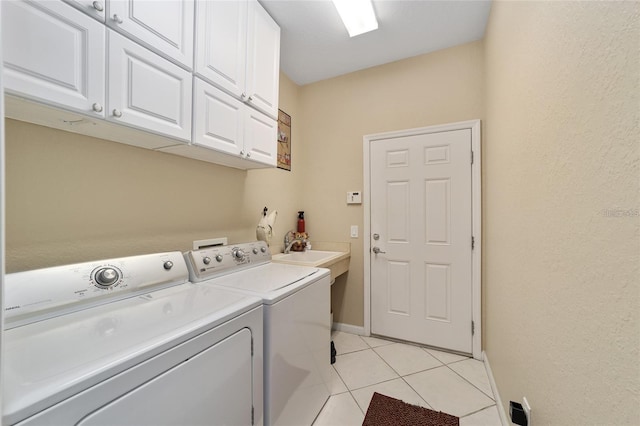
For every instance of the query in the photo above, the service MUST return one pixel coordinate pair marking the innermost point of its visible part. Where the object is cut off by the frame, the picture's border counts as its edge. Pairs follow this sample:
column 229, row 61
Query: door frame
column 476, row 220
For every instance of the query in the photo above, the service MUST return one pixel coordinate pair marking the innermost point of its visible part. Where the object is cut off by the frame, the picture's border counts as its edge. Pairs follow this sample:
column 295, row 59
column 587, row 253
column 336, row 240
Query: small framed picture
column 284, row 140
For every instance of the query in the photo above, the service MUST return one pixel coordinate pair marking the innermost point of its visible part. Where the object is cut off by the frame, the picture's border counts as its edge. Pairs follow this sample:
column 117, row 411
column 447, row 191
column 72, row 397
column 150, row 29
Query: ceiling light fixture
column 358, row 16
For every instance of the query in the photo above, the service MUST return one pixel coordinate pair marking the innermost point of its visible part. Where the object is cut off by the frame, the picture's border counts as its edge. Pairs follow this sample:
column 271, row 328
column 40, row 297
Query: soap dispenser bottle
column 300, row 221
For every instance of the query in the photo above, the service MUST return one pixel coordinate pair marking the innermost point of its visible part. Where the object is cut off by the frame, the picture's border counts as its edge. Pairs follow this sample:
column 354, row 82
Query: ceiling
column 315, row 45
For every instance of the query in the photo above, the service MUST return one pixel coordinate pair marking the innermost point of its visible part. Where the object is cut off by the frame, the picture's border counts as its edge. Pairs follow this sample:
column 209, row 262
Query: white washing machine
column 297, row 329
column 129, row 341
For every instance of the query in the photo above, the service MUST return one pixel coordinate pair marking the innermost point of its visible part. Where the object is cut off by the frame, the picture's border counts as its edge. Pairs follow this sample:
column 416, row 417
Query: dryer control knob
column 263, row 249
column 238, row 254
column 206, row 260
column 219, row 258
column 106, row 277
column 255, row 250
column 168, row 265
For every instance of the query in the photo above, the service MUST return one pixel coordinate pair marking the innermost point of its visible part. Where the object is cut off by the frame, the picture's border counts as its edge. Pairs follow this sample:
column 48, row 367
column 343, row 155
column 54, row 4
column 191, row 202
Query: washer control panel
column 44, row 293
column 213, row 261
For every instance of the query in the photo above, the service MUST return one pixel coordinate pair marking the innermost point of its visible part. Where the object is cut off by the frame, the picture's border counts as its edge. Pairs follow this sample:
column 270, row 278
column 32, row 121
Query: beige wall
column 561, row 146
column 276, row 188
column 436, row 88
column 73, row 198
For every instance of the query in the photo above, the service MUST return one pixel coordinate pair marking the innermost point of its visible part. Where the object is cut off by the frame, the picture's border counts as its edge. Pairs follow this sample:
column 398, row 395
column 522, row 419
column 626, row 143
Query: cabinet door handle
column 241, row 153
column 250, row 98
column 244, row 95
column 117, row 19
column 248, row 154
column 96, row 107
column 117, row 113
column 98, row 6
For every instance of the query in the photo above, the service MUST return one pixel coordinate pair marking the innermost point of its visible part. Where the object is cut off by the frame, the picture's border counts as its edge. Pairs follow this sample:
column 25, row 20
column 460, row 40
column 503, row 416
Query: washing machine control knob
column 106, row 277
column 238, row 253
column 263, row 249
column 206, row 260
column 219, row 258
column 255, row 250
column 168, row 265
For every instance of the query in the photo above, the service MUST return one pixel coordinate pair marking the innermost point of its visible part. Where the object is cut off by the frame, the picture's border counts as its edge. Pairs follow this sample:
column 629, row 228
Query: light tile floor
column 433, row 379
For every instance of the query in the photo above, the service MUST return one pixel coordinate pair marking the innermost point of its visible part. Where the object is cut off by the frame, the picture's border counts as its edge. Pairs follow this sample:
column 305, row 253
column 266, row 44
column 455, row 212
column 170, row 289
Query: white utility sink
column 335, row 257
column 316, row 258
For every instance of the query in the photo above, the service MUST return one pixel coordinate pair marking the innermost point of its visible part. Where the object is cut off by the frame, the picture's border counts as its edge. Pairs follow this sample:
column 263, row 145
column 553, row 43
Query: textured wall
column 72, row 198
column 561, row 273
column 435, row 88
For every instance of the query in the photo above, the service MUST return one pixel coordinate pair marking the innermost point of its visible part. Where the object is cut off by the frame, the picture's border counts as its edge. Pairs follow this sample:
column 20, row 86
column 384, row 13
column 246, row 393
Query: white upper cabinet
column 164, row 26
column 224, row 124
column 260, row 137
column 147, row 91
column 263, row 60
column 54, row 54
column 221, row 44
column 94, row 8
column 238, row 50
column 218, row 120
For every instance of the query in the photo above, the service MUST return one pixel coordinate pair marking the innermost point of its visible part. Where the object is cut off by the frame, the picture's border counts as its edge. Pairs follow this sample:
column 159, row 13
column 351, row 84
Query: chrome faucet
column 288, row 243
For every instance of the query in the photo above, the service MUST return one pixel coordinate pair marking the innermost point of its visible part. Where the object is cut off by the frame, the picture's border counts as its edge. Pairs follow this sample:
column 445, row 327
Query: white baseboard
column 348, row 328
column 503, row 415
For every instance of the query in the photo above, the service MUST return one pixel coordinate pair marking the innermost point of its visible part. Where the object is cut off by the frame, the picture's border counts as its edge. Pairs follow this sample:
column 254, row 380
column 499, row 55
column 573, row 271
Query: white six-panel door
column 421, row 223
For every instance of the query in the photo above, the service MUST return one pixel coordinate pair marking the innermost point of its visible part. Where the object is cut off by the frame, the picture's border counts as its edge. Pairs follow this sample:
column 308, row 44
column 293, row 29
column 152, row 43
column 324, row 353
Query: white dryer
column 129, row 341
column 297, row 329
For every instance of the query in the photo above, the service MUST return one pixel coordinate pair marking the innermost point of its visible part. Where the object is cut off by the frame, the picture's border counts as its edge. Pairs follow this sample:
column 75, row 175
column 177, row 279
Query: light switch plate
column 354, row 197
column 354, row 231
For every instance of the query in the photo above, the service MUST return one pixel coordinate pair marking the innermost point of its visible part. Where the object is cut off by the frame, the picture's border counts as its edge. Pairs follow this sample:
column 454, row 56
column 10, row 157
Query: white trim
column 494, row 388
column 476, row 229
column 476, row 212
column 348, row 328
column 2, row 215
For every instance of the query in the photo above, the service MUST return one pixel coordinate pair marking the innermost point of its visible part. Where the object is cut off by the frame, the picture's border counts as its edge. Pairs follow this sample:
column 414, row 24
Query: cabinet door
column 218, row 120
column 54, row 54
column 263, row 60
column 164, row 26
column 94, row 8
column 260, row 137
column 221, row 44
column 147, row 91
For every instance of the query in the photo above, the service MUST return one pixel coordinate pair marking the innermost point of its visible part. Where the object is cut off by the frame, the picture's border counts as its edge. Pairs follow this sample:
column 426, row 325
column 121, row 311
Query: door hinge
column 252, row 412
column 473, row 328
column 471, row 157
column 473, row 243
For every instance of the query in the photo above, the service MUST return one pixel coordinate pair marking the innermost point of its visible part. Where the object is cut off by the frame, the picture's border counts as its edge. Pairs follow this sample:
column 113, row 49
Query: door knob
column 377, row 250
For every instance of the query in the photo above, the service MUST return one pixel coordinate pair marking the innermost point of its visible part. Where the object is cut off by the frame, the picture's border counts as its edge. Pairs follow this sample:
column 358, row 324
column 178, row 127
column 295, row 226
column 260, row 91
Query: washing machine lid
column 48, row 361
column 270, row 281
